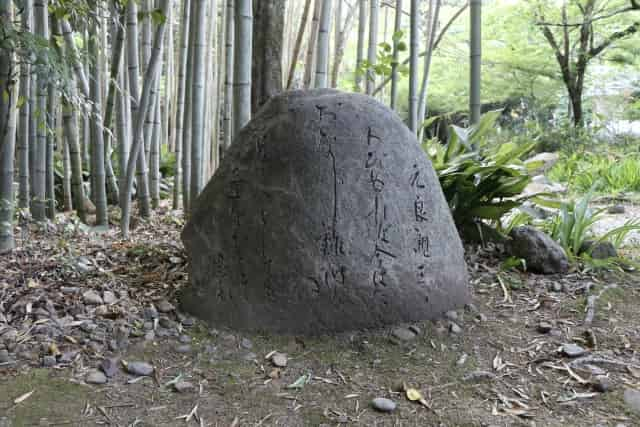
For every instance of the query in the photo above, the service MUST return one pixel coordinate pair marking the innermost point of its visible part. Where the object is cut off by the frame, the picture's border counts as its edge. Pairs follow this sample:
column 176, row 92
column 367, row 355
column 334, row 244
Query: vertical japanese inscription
column 383, row 252
column 421, row 215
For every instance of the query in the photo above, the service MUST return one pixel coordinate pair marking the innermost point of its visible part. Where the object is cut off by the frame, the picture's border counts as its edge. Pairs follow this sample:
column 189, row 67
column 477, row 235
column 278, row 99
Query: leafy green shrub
column 167, row 162
column 573, row 226
column 601, row 172
column 481, row 181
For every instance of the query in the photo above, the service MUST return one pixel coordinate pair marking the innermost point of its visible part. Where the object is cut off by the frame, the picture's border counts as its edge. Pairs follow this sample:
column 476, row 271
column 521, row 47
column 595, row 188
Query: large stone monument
column 325, row 215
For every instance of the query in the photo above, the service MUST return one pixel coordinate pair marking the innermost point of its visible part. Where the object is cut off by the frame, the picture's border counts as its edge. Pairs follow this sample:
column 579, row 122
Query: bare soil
column 499, row 371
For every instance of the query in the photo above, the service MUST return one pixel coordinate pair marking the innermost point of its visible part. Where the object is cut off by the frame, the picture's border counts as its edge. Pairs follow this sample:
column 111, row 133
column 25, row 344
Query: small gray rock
column 109, row 366
column 167, row 323
column 279, row 360
column 49, row 361
column 183, row 386
column 541, row 252
column 164, row 306
column 96, row 377
column 451, row 315
column 573, row 350
column 246, row 343
column 109, row 297
column 600, row 250
column 183, row 349
column 454, row 328
column 139, row 368
column 544, row 327
column 4, row 356
column 149, row 336
column 403, row 334
column 632, row 400
column 150, row 313
column 92, row 297
column 383, row 404
column 616, row 209
column 184, row 339
column 602, row 383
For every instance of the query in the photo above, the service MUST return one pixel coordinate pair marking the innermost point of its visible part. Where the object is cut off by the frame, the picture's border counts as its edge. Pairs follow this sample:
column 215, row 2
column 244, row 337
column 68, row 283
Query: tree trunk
column 311, row 47
column 50, row 196
column 413, row 66
column 72, row 52
column 322, row 52
column 187, row 125
column 227, row 125
column 198, row 93
column 397, row 27
column 25, row 115
column 476, row 60
column 373, row 46
column 133, row 60
column 268, row 35
column 39, row 184
column 341, row 40
column 242, row 64
column 70, row 130
column 8, row 116
column 182, row 81
column 295, row 56
column 97, row 142
column 115, row 66
column 362, row 26
column 430, row 35
column 137, row 141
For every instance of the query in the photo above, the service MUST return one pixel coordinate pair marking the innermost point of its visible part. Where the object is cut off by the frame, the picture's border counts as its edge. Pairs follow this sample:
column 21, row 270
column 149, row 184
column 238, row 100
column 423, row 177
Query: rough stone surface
column 139, row 368
column 632, row 399
column 573, row 350
column 96, row 377
column 541, row 253
column 599, row 250
column 616, row 209
column 383, row 404
column 325, row 215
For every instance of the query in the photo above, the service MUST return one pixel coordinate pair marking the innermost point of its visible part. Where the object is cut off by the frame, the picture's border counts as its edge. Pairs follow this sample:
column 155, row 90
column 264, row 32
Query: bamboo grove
column 95, row 95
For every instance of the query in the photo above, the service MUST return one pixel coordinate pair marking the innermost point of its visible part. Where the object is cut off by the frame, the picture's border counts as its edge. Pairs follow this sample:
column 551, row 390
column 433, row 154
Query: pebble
column 49, row 361
column 616, row 209
column 164, row 306
column 139, row 368
column 101, row 310
column 403, row 334
column 150, row 313
column 4, row 356
column 188, row 322
column 602, row 383
column 481, row 317
column 92, row 297
column 279, row 360
column 383, row 404
column 109, row 366
column 632, row 400
column 451, row 315
column 544, row 327
column 167, row 323
column 149, row 336
column 557, row 287
column 573, row 350
column 246, row 343
column 96, row 377
column 184, row 339
column 454, row 328
column 183, row 386
column 109, row 297
column 184, row 348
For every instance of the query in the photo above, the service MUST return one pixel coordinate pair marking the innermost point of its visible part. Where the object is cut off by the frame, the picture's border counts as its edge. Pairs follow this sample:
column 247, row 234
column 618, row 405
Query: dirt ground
column 503, row 368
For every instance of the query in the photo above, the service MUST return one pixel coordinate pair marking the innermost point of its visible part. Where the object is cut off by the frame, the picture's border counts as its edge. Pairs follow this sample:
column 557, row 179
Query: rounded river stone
column 324, row 215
